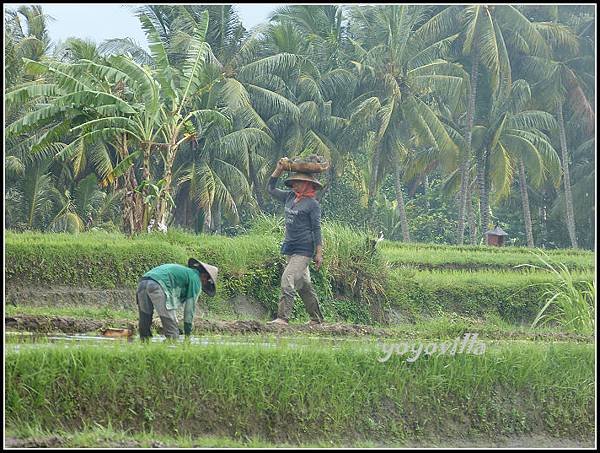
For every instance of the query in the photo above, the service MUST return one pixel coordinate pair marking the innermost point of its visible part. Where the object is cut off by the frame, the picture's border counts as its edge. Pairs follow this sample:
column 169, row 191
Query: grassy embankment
column 307, row 393
column 358, row 283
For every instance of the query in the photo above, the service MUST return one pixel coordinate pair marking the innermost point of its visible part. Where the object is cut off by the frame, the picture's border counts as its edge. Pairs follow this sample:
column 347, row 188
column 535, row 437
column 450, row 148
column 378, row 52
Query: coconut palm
column 560, row 81
column 26, row 36
column 31, row 202
column 490, row 31
column 323, row 86
column 399, row 63
column 324, row 36
column 513, row 138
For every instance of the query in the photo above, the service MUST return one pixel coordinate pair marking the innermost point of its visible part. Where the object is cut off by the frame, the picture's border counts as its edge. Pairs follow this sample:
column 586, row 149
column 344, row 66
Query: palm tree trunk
column 464, row 165
column 217, row 219
column 543, row 220
column 255, row 185
column 400, row 201
column 372, row 185
column 566, row 177
column 486, row 187
column 471, row 214
column 484, row 208
column 525, row 200
column 207, row 220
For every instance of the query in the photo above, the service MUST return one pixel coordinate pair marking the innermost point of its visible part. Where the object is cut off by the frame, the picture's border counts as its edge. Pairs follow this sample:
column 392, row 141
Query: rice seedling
column 297, row 392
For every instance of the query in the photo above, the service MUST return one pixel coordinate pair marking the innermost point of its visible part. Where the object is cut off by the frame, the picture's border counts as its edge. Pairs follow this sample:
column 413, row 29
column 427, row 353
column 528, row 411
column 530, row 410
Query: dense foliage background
column 439, row 120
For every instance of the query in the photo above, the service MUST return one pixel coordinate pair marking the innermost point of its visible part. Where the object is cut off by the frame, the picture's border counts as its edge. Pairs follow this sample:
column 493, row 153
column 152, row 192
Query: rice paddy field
column 423, row 345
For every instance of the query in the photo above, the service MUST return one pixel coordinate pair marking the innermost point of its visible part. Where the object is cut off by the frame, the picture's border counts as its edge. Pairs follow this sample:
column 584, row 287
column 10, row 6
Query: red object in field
column 496, row 236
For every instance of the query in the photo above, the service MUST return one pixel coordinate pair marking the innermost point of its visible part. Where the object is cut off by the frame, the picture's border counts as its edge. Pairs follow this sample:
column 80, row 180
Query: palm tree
column 324, row 36
column 490, row 31
column 26, row 36
column 514, row 137
column 323, row 86
column 560, row 80
column 399, row 61
column 31, row 202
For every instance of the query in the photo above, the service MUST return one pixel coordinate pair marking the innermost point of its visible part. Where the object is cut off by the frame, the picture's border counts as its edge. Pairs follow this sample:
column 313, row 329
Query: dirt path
column 51, row 324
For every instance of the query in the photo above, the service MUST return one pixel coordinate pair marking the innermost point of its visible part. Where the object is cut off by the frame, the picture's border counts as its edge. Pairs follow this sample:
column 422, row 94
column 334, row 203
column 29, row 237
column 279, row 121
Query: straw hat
column 303, row 177
column 212, row 271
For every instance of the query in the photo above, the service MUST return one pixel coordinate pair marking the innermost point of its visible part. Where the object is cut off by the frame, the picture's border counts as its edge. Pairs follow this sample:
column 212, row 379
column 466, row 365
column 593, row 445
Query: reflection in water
column 32, row 339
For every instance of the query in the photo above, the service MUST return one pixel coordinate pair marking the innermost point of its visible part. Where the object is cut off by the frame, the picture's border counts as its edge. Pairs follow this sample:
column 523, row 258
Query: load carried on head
column 308, row 164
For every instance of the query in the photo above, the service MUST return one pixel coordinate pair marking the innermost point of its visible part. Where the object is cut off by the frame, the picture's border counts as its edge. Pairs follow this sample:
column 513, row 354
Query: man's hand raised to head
column 279, row 169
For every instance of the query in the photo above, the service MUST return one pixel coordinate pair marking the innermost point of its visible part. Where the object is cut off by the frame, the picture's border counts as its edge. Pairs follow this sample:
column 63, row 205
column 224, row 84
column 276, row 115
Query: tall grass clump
column 355, row 265
column 568, row 301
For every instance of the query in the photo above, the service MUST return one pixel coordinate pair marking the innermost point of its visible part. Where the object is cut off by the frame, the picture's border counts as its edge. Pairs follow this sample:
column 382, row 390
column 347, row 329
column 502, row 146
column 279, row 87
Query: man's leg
column 309, row 295
column 145, row 310
column 168, row 318
column 288, row 286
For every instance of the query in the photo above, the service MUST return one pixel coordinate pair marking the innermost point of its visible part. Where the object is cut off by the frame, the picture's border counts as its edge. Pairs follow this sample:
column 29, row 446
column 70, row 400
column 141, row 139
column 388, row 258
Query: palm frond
column 272, row 102
column 502, row 175
column 533, row 119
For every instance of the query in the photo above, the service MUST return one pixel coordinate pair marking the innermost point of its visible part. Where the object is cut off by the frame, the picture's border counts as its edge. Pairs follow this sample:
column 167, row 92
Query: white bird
column 380, row 238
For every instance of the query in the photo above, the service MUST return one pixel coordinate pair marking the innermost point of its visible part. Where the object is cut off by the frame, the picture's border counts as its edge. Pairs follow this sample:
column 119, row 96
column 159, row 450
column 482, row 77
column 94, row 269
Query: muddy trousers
column 151, row 296
column 296, row 277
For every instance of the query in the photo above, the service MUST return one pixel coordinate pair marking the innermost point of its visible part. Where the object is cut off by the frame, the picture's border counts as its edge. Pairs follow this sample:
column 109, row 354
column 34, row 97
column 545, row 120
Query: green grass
column 105, row 437
column 515, row 297
column 284, row 394
column 73, row 312
column 472, row 257
column 354, row 285
column 569, row 299
column 492, row 326
column 505, row 250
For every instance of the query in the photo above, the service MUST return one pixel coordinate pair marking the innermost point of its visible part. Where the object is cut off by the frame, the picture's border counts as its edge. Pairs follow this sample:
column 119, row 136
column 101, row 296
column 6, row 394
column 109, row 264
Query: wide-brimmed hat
column 212, row 271
column 303, row 177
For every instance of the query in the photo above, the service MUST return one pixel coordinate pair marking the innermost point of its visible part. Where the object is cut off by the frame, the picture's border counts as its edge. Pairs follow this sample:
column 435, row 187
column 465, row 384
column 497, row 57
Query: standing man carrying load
column 167, row 287
column 302, row 242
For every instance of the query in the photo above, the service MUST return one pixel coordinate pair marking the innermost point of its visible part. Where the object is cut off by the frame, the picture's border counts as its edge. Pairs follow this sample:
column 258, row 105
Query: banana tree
column 115, row 104
column 239, row 83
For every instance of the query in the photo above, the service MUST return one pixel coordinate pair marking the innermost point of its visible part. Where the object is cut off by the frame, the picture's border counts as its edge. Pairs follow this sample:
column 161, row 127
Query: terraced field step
column 429, row 256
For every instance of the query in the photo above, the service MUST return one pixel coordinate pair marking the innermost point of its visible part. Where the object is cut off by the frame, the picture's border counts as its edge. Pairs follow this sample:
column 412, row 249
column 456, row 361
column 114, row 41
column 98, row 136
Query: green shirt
column 181, row 285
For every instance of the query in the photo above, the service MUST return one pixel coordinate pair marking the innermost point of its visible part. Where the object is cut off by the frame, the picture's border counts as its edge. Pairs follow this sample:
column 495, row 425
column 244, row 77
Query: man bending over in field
column 167, row 287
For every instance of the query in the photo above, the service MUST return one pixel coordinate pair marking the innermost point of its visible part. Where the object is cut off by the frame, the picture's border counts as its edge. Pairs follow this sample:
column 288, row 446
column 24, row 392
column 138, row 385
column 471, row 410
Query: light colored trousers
column 296, row 277
column 151, row 296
